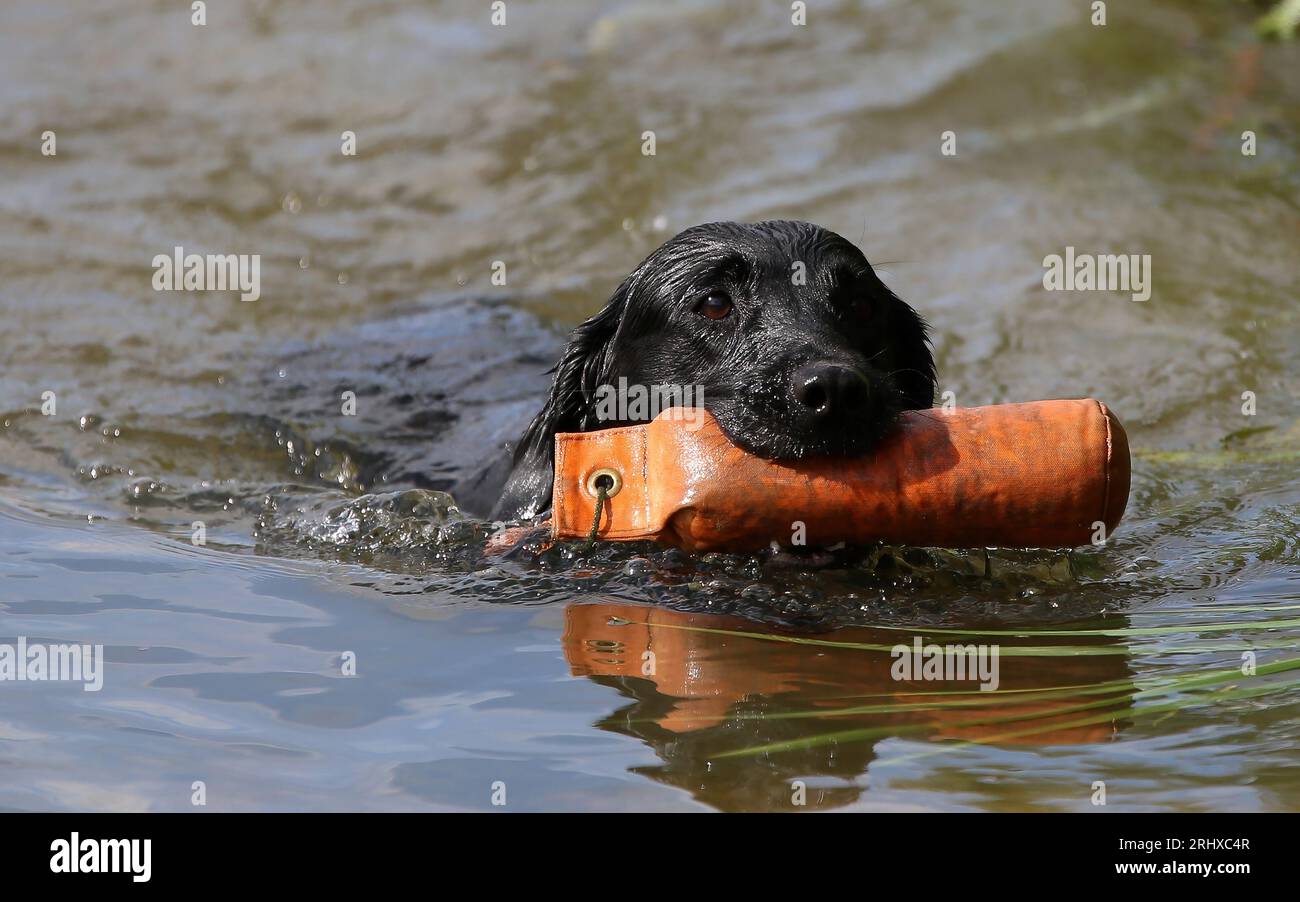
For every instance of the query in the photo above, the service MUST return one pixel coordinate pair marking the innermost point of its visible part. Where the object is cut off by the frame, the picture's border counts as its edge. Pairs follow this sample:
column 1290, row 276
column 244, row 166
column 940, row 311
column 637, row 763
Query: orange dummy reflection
column 735, row 718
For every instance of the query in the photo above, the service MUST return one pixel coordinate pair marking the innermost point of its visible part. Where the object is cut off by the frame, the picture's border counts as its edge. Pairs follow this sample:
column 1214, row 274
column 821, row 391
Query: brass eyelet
column 615, row 482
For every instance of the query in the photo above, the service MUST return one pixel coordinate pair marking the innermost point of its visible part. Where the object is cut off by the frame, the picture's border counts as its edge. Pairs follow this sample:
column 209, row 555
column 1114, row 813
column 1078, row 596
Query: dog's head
column 781, row 330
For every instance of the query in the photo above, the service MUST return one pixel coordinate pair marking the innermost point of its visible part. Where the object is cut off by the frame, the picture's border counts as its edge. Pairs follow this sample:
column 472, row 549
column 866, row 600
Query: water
column 332, row 539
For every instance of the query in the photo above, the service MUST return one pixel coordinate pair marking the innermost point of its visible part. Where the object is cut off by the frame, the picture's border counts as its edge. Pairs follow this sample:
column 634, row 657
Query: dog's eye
column 851, row 303
column 716, row 305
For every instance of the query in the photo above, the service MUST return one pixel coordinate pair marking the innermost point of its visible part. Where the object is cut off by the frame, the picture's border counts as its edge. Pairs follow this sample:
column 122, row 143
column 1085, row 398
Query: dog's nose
column 831, row 389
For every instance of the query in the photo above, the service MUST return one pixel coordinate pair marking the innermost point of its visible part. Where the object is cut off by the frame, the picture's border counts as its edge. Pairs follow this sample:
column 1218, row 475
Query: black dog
column 795, row 344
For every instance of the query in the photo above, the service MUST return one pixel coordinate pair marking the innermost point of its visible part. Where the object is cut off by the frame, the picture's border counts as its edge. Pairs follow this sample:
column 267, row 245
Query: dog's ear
column 570, row 407
column 913, row 362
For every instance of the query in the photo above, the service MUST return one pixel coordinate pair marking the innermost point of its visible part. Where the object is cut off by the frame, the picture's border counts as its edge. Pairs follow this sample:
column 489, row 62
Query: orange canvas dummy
column 1040, row 474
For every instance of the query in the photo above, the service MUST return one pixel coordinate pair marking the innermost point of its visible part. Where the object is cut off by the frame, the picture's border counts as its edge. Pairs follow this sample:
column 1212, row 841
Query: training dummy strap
column 1045, row 474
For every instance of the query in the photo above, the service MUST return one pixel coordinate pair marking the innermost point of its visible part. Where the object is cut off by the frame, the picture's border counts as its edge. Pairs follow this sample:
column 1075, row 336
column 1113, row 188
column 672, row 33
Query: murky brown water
column 523, row 144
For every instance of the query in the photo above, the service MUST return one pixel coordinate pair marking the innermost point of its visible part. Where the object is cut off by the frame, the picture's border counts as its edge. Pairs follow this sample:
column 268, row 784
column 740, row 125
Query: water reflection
column 736, row 715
